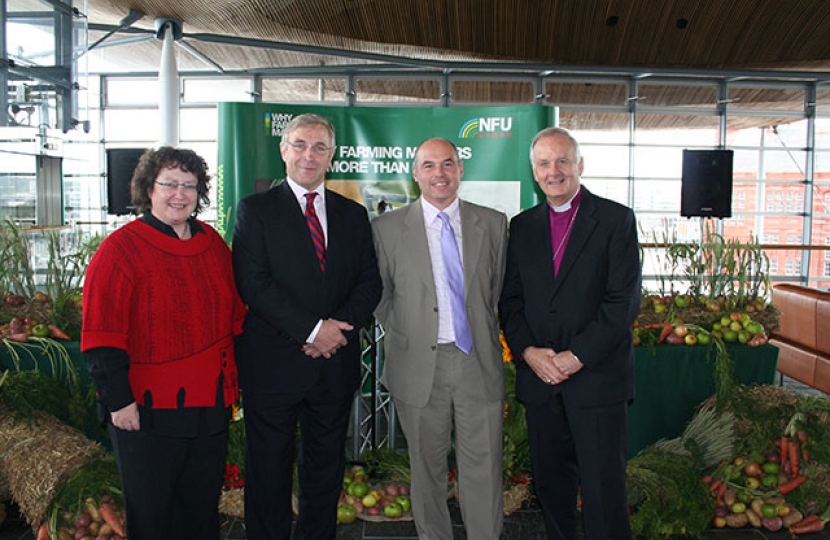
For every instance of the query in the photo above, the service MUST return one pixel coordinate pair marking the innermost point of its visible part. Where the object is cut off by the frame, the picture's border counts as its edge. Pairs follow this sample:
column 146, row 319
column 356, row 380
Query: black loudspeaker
column 706, row 183
column 121, row 162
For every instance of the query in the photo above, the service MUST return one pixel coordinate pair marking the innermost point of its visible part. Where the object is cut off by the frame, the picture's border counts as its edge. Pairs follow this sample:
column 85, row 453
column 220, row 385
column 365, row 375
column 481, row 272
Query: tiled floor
column 521, row 525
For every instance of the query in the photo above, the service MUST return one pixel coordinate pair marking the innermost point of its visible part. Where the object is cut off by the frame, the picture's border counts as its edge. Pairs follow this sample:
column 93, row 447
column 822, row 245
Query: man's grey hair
column 307, row 119
column 551, row 131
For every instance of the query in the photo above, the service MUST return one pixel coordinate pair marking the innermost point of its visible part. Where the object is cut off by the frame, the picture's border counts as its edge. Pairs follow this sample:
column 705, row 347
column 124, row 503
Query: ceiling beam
column 452, row 66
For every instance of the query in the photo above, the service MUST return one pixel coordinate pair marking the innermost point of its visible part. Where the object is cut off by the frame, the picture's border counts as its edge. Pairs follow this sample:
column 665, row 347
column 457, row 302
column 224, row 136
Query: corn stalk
column 715, row 268
column 17, row 274
column 66, row 258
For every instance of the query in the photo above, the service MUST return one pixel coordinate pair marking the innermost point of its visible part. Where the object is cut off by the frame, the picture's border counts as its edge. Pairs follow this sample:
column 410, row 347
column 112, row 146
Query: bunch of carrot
column 812, row 523
column 102, row 521
column 792, row 452
column 665, row 329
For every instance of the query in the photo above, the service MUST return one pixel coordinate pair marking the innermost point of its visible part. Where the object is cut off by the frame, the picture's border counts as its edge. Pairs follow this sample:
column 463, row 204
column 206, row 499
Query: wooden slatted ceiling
column 723, row 34
column 720, row 34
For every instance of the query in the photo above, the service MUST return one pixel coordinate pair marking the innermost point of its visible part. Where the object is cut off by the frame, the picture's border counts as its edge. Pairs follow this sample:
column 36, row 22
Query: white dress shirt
column 320, row 207
column 319, row 203
column 433, row 225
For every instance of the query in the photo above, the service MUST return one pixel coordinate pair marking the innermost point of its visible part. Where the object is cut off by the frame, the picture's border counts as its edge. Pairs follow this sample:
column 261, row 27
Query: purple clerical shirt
column 561, row 225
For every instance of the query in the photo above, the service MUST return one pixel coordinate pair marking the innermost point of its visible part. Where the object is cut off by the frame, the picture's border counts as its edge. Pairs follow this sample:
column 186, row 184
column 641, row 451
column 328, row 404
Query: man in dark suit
column 570, row 295
column 305, row 264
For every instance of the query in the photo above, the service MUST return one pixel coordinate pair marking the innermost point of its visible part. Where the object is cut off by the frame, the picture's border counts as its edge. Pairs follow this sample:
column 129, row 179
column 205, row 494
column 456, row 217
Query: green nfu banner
column 372, row 161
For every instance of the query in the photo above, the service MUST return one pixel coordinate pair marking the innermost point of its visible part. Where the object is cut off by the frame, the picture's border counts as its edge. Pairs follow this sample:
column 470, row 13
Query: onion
column 772, row 524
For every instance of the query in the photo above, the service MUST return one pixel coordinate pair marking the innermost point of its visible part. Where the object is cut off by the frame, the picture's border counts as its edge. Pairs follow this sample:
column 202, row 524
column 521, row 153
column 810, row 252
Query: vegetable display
column 375, row 501
column 761, row 459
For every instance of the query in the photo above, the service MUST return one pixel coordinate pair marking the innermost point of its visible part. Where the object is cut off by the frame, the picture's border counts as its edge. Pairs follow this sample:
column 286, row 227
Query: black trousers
column 270, row 434
column 575, row 447
column 171, row 485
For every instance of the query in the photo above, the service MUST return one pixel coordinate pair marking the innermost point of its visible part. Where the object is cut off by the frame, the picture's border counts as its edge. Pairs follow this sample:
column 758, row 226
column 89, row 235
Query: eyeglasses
column 174, row 186
column 317, row 149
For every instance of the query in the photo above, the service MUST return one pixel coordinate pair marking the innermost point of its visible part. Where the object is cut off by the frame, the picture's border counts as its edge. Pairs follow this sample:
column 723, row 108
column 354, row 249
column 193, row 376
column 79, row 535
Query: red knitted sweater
column 173, row 306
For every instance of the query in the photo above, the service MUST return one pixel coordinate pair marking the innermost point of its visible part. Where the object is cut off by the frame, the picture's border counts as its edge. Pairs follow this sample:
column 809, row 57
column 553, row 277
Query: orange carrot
column 715, row 485
column 795, row 455
column 809, row 527
column 790, row 485
column 782, row 445
column 43, row 532
column 707, row 479
column 57, row 333
column 111, row 518
column 719, row 495
column 664, row 333
column 806, row 521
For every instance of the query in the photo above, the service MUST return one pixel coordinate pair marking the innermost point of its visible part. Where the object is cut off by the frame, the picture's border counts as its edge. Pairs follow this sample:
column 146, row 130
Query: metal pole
column 169, row 87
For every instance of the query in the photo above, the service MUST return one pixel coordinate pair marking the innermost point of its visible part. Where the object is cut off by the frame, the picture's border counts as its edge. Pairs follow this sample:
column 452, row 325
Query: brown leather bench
column 803, row 338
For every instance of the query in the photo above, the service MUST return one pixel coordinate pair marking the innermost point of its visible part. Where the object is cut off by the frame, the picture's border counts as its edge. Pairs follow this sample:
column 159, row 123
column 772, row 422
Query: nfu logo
column 482, row 128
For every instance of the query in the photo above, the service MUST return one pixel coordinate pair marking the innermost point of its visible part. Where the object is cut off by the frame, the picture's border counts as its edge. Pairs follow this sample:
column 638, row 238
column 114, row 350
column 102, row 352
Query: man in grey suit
column 443, row 363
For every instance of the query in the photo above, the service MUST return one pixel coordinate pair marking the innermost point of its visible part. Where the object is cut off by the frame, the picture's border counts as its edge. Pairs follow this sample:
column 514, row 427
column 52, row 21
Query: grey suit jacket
column 408, row 309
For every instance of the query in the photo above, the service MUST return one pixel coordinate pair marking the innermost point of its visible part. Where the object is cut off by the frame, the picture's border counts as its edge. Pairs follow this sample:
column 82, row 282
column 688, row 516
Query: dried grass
column 232, row 503
column 5, row 489
column 38, row 455
column 515, row 497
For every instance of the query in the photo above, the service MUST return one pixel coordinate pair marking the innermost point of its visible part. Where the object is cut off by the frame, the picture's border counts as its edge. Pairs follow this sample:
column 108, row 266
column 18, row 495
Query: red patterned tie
column 316, row 230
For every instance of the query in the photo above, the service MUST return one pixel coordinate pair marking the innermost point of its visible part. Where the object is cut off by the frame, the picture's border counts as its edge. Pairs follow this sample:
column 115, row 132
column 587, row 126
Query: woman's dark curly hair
column 151, row 164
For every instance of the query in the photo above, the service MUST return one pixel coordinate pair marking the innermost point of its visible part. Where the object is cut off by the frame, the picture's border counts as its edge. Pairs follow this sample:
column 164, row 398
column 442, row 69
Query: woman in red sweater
column 159, row 318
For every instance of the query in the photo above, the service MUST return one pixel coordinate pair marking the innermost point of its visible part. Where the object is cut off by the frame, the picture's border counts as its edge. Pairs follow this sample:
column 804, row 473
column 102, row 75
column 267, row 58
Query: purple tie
column 316, row 229
column 455, row 283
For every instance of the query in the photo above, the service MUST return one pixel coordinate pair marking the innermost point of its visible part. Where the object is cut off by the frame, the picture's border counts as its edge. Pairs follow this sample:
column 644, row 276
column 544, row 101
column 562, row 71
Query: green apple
column 393, row 510
column 346, row 513
column 357, row 489
column 404, row 502
column 369, row 500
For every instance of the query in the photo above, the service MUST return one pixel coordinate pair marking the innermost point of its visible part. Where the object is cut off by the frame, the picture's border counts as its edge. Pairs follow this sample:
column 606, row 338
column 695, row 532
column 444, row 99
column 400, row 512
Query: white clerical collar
column 565, row 207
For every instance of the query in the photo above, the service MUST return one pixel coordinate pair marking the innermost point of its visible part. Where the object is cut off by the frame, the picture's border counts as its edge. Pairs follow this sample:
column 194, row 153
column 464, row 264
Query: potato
column 736, row 521
column 793, row 517
column 756, row 505
column 729, row 497
column 753, row 518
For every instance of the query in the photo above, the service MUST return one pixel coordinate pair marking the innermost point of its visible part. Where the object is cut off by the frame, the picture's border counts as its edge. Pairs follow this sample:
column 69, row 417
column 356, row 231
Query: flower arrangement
column 516, row 448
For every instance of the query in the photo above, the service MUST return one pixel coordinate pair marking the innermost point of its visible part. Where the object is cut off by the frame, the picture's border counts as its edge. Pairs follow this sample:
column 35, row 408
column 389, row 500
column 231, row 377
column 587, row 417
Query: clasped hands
column 550, row 366
column 329, row 339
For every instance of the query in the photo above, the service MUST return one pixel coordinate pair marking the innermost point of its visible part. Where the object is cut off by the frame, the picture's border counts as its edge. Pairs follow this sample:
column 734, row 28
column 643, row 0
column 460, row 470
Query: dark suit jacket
column 278, row 276
column 587, row 308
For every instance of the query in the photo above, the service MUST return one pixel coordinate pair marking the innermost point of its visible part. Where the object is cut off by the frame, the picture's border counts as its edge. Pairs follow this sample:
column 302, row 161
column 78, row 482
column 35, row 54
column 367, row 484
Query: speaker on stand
column 706, row 183
column 121, row 162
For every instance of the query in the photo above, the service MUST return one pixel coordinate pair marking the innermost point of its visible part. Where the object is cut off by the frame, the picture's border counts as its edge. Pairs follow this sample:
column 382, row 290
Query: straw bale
column 5, row 489
column 515, row 497
column 42, row 311
column 38, row 455
column 232, row 503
